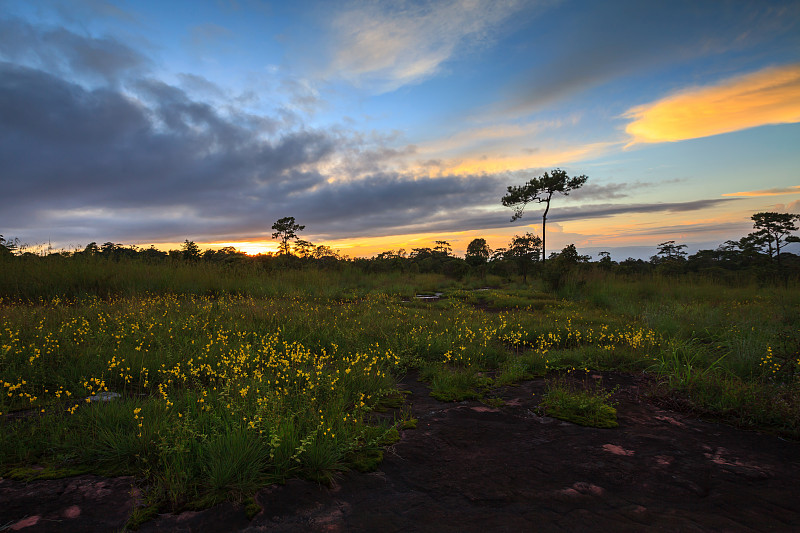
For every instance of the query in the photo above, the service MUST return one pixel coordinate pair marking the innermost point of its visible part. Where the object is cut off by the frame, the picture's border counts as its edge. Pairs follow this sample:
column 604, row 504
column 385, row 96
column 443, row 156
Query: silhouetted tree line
column 761, row 252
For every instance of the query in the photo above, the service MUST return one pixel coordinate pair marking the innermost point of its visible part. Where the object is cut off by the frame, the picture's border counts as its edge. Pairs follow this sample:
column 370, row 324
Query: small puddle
column 429, row 297
column 103, row 397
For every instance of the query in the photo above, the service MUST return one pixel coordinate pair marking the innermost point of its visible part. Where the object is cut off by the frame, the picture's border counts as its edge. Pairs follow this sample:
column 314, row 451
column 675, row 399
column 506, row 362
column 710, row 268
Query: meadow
column 207, row 382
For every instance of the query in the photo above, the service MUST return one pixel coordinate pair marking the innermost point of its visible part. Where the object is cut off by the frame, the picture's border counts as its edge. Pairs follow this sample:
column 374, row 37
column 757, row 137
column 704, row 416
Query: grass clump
column 409, row 423
column 251, row 507
column 455, row 385
column 580, row 405
column 369, row 455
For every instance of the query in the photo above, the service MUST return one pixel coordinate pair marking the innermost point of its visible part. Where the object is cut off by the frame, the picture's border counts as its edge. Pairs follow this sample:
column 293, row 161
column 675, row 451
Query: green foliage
column 456, row 385
column 559, row 273
column 369, row 455
column 286, row 230
column 525, row 366
column 191, row 252
column 668, row 252
column 478, row 252
column 524, row 250
column 580, row 405
column 541, row 190
column 243, row 377
column 410, row 423
column 774, row 230
column 251, row 507
column 8, row 247
column 234, row 463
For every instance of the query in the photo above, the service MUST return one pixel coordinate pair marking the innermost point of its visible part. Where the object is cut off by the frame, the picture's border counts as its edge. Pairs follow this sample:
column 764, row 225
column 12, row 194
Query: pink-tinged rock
column 670, row 420
column 26, row 522
column 73, row 511
column 588, row 488
column 617, row 450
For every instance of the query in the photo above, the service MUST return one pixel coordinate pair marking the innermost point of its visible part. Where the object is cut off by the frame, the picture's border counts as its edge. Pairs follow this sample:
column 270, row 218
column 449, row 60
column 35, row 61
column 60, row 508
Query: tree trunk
column 544, row 230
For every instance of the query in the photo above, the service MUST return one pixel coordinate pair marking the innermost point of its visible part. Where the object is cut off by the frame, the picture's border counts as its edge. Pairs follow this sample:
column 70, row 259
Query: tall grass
column 36, row 278
column 230, row 377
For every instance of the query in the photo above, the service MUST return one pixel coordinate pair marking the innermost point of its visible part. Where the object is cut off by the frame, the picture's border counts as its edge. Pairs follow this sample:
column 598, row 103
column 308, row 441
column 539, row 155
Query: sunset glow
column 250, row 248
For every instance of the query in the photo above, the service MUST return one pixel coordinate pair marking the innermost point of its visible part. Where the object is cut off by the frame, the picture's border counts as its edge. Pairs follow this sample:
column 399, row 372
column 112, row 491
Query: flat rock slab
column 83, row 503
column 472, row 467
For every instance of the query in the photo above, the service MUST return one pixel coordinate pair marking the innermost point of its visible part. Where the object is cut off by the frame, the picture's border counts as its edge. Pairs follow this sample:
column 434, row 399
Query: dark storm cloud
column 64, row 146
column 152, row 163
column 601, row 41
column 606, row 210
column 60, row 50
column 383, row 204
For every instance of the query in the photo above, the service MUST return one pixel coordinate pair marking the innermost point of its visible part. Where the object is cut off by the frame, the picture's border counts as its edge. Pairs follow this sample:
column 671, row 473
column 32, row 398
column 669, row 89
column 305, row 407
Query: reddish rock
column 83, row 503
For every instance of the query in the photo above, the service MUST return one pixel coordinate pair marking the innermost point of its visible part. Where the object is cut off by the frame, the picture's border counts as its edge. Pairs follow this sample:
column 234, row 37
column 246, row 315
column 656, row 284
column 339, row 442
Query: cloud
column 768, row 96
column 59, row 50
column 502, row 135
column 156, row 147
column 303, row 95
column 152, row 165
column 682, row 230
column 795, row 189
column 607, row 210
column 498, row 161
column 388, row 45
column 791, row 207
column 504, row 147
column 201, row 85
column 442, row 213
column 611, row 191
column 138, row 159
column 588, row 47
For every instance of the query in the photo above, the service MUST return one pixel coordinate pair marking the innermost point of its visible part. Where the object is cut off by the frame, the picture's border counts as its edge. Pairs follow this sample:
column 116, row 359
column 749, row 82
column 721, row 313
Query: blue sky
column 386, row 125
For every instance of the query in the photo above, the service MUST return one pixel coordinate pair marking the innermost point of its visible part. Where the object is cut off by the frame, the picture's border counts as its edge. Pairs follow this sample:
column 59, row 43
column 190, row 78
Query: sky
column 385, row 125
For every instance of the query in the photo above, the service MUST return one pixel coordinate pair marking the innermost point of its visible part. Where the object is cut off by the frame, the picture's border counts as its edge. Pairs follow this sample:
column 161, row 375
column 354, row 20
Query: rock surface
column 471, row 467
column 84, row 503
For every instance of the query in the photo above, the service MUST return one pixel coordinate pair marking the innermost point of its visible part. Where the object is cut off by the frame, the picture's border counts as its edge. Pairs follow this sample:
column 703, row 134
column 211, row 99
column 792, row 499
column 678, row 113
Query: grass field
column 207, row 382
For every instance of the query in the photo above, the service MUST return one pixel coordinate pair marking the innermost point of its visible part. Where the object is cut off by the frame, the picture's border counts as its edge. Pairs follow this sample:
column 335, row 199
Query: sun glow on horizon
column 248, row 247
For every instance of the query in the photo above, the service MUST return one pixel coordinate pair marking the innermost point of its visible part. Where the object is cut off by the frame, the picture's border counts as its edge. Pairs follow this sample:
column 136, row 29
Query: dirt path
column 470, row 467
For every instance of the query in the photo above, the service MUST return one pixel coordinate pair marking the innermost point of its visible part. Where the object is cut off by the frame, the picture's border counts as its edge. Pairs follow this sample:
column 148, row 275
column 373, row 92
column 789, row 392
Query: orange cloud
column 794, row 189
column 769, row 96
column 497, row 162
